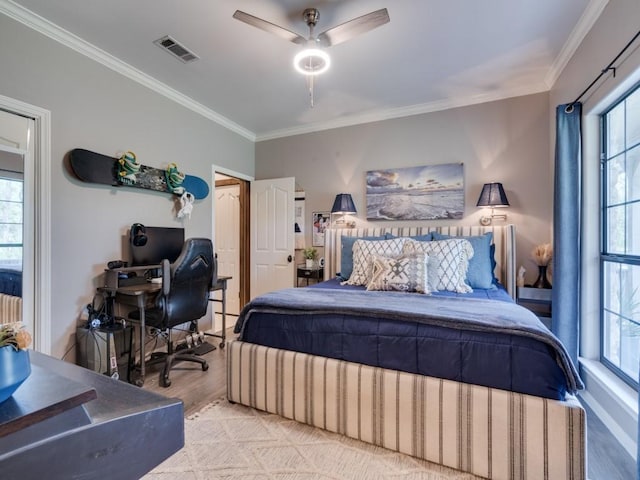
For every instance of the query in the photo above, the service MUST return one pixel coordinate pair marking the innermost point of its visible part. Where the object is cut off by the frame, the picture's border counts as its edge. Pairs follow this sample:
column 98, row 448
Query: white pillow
column 405, row 273
column 363, row 251
column 454, row 255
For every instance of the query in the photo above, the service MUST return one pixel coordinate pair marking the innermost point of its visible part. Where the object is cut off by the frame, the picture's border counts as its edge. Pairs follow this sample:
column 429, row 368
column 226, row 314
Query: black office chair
column 184, row 298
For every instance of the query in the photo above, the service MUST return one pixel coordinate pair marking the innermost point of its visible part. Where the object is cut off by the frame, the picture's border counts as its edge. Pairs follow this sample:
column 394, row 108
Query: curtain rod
column 609, row 67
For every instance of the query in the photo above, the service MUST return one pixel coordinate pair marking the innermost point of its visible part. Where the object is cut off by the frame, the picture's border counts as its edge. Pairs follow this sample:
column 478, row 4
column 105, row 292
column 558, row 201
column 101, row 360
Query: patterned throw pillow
column 346, row 256
column 454, row 255
column 363, row 251
column 406, row 273
column 480, row 272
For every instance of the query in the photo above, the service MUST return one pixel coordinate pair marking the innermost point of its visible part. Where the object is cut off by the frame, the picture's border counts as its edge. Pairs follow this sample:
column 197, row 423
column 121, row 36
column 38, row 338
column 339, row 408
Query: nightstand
column 314, row 273
column 538, row 300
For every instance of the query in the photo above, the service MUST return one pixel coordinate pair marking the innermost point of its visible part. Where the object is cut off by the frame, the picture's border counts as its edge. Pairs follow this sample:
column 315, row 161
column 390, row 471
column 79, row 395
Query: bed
column 497, row 430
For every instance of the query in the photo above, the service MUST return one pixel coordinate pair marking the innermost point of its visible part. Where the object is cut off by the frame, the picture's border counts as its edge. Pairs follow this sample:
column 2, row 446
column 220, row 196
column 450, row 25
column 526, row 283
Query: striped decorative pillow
column 405, row 273
column 453, row 254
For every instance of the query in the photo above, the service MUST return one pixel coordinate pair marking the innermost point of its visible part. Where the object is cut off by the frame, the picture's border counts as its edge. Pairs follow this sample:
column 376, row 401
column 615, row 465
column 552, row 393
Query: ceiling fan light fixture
column 312, row 61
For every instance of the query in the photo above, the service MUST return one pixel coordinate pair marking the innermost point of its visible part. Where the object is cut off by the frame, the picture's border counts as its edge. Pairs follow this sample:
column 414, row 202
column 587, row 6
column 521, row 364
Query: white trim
column 8, row 149
column 579, row 32
column 68, row 39
column 613, row 401
column 42, row 217
column 230, row 173
column 392, row 113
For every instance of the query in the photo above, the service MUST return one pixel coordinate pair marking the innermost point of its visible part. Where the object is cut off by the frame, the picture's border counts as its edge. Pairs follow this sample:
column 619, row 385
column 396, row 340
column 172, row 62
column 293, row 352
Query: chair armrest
column 166, row 277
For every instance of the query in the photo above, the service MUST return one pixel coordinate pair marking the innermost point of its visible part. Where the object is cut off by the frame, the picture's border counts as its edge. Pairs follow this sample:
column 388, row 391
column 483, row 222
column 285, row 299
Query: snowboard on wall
column 93, row 167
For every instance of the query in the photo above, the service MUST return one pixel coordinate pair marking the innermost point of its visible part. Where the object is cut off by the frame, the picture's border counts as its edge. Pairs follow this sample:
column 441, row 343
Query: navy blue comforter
column 476, row 340
column 11, row 282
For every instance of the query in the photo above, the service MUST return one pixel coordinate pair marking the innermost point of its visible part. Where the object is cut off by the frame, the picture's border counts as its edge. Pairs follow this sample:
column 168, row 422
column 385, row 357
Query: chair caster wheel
column 221, row 344
column 165, row 381
column 139, row 382
column 205, row 367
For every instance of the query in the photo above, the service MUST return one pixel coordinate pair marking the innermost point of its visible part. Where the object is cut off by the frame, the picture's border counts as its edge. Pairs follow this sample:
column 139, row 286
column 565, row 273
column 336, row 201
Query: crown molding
column 579, row 32
column 68, row 39
column 393, row 113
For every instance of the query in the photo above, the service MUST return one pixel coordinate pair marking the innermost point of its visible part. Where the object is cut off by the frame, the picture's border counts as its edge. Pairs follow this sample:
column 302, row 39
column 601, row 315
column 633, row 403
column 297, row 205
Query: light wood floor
column 607, row 459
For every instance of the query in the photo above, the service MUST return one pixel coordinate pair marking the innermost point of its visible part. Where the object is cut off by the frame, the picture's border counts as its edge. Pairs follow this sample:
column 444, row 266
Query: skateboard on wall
column 92, row 167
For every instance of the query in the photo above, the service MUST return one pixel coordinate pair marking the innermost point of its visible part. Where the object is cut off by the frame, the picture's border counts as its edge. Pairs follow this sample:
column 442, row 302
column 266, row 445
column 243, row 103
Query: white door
column 16, row 165
column 272, row 233
column 227, row 242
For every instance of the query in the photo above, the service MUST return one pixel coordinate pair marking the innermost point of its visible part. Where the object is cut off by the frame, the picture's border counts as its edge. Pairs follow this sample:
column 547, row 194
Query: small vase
column 309, row 263
column 542, row 281
column 15, row 367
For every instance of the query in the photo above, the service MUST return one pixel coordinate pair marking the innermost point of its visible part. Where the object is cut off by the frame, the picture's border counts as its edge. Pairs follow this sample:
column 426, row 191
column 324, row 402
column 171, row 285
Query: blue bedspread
column 472, row 340
column 515, row 353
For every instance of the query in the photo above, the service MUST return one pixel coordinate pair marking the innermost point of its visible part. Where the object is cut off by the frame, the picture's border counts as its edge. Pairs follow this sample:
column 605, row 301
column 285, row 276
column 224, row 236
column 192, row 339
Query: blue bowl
column 15, row 367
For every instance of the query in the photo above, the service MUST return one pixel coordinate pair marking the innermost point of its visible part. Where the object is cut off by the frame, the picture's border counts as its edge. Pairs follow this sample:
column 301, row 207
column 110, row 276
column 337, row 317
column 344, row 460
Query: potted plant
column 15, row 366
column 310, row 255
column 542, row 256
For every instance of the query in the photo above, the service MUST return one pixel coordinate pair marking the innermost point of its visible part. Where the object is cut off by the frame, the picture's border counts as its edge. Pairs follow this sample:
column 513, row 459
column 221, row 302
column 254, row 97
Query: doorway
column 36, row 228
column 231, row 225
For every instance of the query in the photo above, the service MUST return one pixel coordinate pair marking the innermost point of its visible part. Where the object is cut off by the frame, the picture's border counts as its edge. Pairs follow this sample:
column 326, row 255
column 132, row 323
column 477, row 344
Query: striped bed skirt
column 10, row 309
column 487, row 432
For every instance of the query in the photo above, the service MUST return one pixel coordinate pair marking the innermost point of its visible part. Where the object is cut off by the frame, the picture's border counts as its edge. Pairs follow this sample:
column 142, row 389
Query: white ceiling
column 434, row 54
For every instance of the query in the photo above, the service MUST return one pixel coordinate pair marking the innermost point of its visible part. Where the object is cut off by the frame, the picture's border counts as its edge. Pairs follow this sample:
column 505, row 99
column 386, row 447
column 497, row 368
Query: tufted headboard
column 504, row 238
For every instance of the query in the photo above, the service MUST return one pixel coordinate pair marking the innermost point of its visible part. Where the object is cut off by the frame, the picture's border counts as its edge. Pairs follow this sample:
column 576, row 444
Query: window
column 620, row 250
column 11, row 203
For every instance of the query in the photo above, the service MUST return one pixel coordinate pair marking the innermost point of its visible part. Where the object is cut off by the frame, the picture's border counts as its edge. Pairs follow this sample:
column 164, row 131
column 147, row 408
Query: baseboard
column 614, row 402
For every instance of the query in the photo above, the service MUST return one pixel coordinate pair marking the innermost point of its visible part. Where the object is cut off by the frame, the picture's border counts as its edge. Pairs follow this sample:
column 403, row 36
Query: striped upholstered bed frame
column 488, row 432
column 10, row 308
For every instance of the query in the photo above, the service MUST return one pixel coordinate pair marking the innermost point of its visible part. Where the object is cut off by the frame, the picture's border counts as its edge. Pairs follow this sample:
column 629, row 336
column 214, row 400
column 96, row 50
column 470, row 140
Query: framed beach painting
column 429, row 192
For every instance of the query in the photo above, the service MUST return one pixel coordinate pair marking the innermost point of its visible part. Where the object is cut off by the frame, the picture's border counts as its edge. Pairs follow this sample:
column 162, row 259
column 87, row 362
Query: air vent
column 174, row 48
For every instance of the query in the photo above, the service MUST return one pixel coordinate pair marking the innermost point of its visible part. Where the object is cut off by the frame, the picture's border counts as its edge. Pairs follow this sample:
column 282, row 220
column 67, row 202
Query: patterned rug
column 225, row 441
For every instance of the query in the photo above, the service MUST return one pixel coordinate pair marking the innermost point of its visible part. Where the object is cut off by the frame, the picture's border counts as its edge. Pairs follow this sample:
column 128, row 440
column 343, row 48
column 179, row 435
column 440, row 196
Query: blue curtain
column 566, row 228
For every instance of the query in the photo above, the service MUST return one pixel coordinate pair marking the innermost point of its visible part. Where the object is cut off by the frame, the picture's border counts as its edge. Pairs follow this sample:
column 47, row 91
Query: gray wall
column 505, row 141
column 95, row 108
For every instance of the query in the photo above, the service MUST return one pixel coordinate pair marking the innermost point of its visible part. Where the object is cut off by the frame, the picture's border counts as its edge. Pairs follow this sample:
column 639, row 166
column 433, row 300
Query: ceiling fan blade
column 354, row 27
column 269, row 27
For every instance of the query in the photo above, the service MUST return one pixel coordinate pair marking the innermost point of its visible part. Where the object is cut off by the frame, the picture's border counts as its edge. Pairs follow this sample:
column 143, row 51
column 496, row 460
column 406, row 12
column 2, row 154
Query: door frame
column 40, row 228
column 244, row 181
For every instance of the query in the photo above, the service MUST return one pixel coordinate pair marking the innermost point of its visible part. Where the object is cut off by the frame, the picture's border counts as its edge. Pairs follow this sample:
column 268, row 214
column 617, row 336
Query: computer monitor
column 151, row 245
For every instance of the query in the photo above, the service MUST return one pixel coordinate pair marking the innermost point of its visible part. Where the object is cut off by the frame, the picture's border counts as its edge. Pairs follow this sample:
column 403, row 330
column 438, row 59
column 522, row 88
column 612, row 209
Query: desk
column 221, row 284
column 137, row 296
column 69, row 422
column 140, row 295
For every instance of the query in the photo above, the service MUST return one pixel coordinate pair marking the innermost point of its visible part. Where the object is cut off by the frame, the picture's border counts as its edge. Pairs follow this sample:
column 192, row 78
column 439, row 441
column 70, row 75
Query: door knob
column 289, row 259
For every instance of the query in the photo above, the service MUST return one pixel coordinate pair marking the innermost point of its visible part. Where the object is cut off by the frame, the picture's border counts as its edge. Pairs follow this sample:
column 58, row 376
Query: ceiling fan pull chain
column 310, row 88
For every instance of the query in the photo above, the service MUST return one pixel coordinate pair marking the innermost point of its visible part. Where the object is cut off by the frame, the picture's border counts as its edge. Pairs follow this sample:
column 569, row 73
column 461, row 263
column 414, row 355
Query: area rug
column 227, row 441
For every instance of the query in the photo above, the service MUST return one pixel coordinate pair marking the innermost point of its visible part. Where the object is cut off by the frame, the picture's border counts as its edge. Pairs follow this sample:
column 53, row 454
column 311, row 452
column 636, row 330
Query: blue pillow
column 346, row 258
column 480, row 271
column 494, row 264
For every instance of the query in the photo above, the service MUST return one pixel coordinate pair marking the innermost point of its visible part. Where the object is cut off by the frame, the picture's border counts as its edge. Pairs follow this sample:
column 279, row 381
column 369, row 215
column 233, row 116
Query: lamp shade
column 492, row 195
column 343, row 204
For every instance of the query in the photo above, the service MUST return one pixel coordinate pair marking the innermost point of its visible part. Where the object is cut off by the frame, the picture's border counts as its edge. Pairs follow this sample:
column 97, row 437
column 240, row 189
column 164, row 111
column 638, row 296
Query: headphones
column 138, row 235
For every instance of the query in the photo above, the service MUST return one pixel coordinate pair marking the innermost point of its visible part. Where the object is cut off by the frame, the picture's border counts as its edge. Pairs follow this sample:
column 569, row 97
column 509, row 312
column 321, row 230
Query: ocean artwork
column 429, row 192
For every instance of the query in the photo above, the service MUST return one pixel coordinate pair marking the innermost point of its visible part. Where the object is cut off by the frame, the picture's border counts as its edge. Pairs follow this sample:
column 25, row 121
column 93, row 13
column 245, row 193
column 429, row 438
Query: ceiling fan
column 313, row 60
